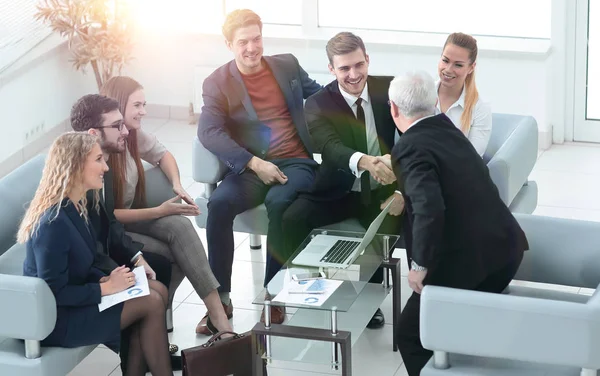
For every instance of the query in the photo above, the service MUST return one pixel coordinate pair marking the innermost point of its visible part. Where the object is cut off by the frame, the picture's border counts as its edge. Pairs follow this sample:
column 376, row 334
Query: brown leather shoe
column 277, row 315
column 201, row 328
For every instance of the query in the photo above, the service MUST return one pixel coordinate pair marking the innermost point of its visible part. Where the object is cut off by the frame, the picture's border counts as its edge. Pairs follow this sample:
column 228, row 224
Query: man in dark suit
column 252, row 120
column 100, row 115
column 458, row 232
column 350, row 124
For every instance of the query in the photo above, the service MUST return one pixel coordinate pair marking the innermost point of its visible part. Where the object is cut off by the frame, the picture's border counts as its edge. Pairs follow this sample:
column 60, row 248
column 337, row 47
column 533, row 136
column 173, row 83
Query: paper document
column 140, row 288
column 313, row 293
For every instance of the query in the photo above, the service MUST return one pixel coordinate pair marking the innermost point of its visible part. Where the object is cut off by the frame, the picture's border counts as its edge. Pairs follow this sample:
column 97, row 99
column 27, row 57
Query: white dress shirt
column 481, row 121
column 372, row 139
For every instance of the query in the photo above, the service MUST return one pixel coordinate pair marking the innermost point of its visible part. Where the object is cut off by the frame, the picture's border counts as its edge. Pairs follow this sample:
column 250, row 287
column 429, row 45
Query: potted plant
column 99, row 32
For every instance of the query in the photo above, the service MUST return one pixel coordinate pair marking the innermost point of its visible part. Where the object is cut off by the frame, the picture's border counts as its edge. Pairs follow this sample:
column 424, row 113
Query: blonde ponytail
column 471, row 97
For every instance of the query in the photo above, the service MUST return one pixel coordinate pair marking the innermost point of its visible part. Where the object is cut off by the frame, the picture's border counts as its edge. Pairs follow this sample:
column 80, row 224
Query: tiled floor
column 568, row 179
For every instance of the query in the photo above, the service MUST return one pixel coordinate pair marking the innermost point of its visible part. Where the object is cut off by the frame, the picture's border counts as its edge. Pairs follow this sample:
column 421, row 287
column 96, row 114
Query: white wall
column 513, row 83
column 41, row 92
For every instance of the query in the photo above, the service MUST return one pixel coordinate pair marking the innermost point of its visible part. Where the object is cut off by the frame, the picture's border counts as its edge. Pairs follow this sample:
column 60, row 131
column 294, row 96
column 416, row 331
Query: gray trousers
column 175, row 238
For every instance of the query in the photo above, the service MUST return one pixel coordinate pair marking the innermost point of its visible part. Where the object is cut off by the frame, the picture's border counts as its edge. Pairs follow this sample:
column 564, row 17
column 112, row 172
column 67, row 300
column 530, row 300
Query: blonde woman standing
column 60, row 250
column 458, row 97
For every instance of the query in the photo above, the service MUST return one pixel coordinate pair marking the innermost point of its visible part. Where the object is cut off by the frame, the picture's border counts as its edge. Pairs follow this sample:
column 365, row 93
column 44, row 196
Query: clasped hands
column 380, row 168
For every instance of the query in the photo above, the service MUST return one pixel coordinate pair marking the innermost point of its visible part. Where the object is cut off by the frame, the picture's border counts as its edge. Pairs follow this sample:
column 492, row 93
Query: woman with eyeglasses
column 167, row 222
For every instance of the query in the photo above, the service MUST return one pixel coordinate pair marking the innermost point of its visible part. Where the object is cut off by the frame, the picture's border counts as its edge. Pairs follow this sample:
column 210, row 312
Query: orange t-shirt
column 271, row 109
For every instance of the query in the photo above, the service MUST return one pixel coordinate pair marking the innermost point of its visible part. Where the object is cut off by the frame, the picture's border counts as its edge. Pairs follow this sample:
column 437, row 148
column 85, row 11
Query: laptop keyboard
column 340, row 251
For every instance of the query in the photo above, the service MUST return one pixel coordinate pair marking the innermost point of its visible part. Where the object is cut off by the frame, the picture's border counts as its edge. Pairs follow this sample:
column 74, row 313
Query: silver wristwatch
column 414, row 266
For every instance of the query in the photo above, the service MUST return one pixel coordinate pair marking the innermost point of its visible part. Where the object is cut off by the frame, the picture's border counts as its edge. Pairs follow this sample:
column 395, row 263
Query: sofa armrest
column 158, row 187
column 504, row 326
column 206, row 167
column 513, row 162
column 29, row 308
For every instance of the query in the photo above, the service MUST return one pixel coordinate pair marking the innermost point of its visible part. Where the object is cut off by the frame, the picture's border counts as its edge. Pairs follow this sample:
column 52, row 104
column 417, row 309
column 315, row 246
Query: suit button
column 263, row 152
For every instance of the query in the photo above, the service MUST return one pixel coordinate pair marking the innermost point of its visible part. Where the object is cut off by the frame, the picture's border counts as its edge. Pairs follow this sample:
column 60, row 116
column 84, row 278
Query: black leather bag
column 220, row 357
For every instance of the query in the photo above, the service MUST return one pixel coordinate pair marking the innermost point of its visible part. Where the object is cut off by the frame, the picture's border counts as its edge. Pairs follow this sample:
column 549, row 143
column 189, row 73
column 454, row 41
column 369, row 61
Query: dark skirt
column 83, row 326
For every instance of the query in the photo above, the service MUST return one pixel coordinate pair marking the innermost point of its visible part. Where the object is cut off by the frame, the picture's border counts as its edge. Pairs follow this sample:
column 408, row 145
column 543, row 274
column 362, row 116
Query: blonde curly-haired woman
column 60, row 250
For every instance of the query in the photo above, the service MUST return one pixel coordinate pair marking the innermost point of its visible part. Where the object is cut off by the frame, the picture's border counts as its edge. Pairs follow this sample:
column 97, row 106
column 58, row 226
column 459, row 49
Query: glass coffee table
column 320, row 331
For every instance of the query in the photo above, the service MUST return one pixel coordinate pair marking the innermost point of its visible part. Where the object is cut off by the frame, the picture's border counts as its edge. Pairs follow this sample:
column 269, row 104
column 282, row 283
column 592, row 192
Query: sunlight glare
column 177, row 16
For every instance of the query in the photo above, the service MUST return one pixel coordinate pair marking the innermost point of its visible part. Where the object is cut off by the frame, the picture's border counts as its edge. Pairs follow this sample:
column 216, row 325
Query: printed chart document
column 140, row 288
column 313, row 293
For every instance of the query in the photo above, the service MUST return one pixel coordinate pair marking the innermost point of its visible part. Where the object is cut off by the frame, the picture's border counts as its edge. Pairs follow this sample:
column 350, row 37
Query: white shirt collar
column 351, row 99
column 418, row 120
column 460, row 102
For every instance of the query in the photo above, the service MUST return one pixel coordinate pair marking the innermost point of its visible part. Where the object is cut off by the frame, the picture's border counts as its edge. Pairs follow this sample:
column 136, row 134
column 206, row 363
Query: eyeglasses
column 119, row 126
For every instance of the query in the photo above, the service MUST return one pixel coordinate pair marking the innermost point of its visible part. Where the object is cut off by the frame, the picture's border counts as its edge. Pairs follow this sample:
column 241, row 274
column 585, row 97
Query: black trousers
column 162, row 267
column 415, row 357
column 309, row 212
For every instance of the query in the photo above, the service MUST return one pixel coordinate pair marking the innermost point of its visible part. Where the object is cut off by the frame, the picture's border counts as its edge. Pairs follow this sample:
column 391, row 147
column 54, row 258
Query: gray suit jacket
column 229, row 126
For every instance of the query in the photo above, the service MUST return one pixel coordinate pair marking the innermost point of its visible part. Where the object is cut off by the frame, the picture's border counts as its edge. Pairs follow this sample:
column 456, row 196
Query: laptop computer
column 331, row 251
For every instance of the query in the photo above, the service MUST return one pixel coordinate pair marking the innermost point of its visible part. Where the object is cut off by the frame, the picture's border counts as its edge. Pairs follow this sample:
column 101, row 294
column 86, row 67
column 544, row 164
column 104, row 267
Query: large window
column 179, row 16
column 586, row 105
column 512, row 18
column 19, row 32
column 592, row 110
column 282, row 12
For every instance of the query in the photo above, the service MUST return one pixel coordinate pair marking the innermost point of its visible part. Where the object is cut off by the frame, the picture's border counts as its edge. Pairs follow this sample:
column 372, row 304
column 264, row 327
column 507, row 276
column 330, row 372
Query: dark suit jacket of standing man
column 230, row 128
column 456, row 225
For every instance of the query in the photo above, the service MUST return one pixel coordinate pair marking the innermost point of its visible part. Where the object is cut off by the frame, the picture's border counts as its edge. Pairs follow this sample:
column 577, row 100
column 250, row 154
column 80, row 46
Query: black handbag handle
column 217, row 337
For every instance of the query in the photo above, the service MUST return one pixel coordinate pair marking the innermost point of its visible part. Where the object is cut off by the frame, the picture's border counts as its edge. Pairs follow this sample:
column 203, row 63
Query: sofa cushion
column 463, row 365
column 11, row 261
column 55, row 361
column 16, row 191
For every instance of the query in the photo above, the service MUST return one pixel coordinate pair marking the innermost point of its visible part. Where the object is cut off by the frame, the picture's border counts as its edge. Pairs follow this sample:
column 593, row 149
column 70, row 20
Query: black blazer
column 456, row 225
column 117, row 248
column 228, row 125
column 335, row 133
column 62, row 253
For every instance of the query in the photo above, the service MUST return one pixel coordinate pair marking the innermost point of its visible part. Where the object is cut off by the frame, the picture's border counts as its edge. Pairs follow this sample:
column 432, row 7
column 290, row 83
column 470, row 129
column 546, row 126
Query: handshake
column 379, row 167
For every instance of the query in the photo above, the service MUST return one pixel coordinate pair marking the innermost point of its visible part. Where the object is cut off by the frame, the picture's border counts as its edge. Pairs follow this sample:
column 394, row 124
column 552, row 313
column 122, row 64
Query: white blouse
column 481, row 121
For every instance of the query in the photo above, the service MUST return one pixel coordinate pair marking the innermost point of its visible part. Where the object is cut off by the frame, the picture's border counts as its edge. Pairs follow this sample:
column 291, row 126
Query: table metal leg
column 394, row 265
column 386, row 259
column 396, row 300
column 268, row 326
column 334, row 346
